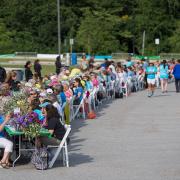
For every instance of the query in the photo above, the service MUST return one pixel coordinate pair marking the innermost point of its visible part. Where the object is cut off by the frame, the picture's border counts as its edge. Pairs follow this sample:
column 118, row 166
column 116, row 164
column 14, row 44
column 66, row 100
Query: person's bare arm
column 7, row 118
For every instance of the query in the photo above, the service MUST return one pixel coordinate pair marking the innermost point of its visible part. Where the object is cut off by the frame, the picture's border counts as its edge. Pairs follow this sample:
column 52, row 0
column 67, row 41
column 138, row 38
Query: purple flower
column 21, row 119
column 30, row 120
column 24, row 124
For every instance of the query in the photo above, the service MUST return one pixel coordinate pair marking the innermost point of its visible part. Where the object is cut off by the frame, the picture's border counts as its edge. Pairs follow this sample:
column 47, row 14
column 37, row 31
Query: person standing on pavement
column 38, row 68
column 151, row 71
column 164, row 75
column 28, row 72
column 2, row 74
column 58, row 65
column 84, row 63
column 176, row 73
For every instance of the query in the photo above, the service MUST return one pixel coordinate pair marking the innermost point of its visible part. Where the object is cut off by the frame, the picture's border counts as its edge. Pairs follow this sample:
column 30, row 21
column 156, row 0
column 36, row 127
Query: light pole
column 59, row 27
column 157, row 42
column 143, row 43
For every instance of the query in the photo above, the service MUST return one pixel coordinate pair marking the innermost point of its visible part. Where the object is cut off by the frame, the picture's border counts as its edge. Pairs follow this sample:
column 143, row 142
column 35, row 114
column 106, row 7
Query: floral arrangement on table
column 17, row 100
column 29, row 124
column 22, row 118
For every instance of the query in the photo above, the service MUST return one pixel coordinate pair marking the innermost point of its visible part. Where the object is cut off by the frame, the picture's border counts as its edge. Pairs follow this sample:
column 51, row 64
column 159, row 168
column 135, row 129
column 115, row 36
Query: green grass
column 24, row 59
column 46, row 69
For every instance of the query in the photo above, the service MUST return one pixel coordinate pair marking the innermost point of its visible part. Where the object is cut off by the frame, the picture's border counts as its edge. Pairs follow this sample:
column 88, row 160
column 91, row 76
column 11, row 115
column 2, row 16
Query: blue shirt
column 164, row 74
column 130, row 74
column 145, row 65
column 152, row 70
column 79, row 90
column 62, row 98
column 89, row 85
column 40, row 115
column 103, row 65
column 129, row 64
column 176, row 71
column 1, row 121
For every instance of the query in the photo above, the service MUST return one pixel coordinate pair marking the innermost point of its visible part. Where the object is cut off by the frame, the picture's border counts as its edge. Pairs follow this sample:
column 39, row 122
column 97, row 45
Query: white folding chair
column 77, row 108
column 101, row 88
column 63, row 107
column 71, row 108
column 61, row 146
column 93, row 98
column 112, row 88
column 108, row 90
column 125, row 88
column 140, row 80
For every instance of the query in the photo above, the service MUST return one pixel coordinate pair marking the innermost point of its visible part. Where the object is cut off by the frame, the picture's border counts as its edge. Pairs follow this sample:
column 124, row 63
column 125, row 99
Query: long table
column 12, row 132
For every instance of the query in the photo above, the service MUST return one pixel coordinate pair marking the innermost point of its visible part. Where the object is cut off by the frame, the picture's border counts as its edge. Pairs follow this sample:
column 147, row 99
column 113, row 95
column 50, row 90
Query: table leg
column 19, row 154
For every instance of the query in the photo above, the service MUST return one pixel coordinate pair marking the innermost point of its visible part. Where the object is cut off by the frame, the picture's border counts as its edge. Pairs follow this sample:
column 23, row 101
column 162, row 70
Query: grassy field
column 46, row 69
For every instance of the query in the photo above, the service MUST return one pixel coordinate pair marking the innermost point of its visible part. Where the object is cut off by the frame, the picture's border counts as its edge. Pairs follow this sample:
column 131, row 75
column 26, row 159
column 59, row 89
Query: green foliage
column 6, row 40
column 98, row 26
column 93, row 34
column 174, row 41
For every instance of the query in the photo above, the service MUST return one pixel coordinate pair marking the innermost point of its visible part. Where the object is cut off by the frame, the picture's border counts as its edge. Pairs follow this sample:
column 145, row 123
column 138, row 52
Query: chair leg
column 63, row 156
column 94, row 104
column 66, row 155
column 84, row 116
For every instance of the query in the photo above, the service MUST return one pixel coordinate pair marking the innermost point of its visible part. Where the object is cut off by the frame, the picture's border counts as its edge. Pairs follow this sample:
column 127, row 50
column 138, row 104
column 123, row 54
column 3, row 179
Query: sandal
column 9, row 164
column 3, row 165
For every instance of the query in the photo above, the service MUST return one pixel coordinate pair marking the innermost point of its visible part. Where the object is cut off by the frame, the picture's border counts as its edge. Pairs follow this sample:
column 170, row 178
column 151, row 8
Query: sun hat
column 54, row 82
column 42, row 94
column 49, row 91
column 43, row 105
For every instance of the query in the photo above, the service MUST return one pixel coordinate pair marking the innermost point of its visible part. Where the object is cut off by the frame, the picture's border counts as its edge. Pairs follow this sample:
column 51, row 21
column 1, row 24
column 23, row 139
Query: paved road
column 132, row 139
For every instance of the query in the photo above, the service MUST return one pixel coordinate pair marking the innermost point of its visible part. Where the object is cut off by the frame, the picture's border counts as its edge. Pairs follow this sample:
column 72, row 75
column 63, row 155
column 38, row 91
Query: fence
column 120, row 56
column 169, row 56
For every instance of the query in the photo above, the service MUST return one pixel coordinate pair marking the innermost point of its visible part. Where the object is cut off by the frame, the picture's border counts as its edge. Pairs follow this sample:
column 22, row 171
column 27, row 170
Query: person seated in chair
column 78, row 91
column 54, row 125
column 6, row 144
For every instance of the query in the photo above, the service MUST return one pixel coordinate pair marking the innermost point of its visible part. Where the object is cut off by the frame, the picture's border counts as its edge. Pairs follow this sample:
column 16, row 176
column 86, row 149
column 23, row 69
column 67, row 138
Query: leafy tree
column 98, row 26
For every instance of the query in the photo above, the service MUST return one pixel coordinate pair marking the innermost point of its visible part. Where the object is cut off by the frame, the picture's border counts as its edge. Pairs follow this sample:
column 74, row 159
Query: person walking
column 2, row 74
column 58, row 65
column 84, row 63
column 151, row 71
column 164, row 75
column 28, row 72
column 37, row 69
column 176, row 73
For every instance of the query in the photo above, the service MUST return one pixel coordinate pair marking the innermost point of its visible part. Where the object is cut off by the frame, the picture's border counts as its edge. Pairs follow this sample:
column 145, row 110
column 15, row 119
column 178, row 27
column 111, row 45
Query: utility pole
column 143, row 43
column 59, row 27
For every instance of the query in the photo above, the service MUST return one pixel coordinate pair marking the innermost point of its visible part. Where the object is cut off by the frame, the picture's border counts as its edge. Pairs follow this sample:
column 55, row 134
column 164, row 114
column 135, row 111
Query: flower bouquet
column 21, row 117
column 29, row 124
column 17, row 100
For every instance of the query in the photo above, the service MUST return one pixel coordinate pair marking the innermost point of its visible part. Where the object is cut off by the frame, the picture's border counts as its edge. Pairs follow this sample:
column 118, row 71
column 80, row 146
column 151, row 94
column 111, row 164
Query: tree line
column 97, row 26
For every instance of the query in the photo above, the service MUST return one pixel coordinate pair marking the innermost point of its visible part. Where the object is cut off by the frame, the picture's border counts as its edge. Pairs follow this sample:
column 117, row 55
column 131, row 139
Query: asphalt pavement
column 135, row 138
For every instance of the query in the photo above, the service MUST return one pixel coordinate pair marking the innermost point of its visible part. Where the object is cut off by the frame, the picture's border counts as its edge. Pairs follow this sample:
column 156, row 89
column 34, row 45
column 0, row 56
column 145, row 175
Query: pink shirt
column 68, row 94
column 95, row 82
